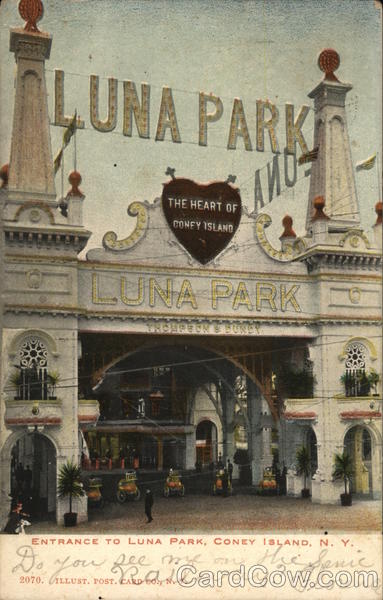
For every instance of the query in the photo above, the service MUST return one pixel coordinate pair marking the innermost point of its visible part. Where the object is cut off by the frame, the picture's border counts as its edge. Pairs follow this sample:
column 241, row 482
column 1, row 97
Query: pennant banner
column 68, row 133
column 308, row 156
column 57, row 160
column 366, row 165
column 70, row 130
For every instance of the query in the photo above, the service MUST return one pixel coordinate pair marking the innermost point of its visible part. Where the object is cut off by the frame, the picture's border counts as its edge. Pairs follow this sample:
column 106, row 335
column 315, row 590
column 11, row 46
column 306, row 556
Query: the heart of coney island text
column 204, row 218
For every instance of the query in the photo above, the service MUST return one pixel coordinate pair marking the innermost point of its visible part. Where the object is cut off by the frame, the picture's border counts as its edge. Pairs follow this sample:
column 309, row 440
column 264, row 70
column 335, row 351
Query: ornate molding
column 308, row 415
column 362, row 340
column 341, row 259
column 289, row 252
column 354, row 236
column 110, row 241
column 34, row 278
column 361, row 414
column 44, row 237
column 28, row 333
column 35, row 205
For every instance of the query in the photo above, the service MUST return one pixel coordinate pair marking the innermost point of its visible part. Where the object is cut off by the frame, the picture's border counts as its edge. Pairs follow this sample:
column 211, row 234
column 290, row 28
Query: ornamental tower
column 39, row 419
column 31, row 169
column 332, row 175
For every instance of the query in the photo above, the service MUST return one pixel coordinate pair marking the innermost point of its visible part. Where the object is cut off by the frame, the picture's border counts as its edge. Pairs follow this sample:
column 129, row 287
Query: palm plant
column 303, row 463
column 15, row 381
column 53, row 378
column 69, row 482
column 343, row 469
column 373, row 379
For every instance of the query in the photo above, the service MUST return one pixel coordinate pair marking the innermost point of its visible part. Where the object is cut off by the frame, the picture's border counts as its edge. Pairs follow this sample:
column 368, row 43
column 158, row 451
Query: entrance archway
column 206, row 442
column 358, row 445
column 311, row 444
column 33, row 474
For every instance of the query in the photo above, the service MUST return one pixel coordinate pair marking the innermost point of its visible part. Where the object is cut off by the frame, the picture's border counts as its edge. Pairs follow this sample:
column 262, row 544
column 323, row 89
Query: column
column 228, row 406
column 190, row 450
column 160, row 453
column 255, row 431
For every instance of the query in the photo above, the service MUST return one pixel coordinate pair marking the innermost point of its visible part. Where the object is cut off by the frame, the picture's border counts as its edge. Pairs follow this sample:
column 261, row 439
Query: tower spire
column 31, row 165
column 332, row 174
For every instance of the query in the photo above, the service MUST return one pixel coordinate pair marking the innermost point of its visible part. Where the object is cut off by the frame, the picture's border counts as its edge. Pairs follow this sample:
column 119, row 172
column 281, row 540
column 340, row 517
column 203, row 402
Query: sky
column 254, row 49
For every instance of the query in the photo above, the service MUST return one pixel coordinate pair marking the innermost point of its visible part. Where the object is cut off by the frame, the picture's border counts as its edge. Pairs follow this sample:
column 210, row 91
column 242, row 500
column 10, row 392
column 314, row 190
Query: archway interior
column 206, row 443
column 33, row 474
column 358, row 445
column 153, row 399
column 154, row 390
column 311, row 443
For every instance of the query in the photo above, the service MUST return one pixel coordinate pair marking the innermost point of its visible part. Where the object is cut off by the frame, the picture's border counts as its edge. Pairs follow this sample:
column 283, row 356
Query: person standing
column 230, row 471
column 148, row 505
column 220, row 461
column 225, row 484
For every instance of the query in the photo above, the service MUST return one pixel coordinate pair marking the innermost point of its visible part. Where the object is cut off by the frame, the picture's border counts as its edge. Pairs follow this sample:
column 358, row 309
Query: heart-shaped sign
column 203, row 217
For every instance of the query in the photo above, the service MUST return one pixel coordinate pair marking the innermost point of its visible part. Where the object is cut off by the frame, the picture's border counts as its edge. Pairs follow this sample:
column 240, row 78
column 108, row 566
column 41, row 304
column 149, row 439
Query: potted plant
column 304, row 468
column 343, row 469
column 53, row 378
column 356, row 383
column 293, row 382
column 373, row 379
column 364, row 384
column 69, row 484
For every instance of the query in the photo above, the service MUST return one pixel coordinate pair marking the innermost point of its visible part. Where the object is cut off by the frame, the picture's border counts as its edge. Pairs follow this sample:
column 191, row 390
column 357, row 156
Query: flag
column 366, row 165
column 57, row 160
column 69, row 131
column 308, row 156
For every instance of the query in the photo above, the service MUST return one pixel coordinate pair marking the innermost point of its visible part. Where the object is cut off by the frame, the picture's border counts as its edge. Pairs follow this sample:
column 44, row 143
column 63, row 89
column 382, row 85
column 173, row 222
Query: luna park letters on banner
column 210, row 110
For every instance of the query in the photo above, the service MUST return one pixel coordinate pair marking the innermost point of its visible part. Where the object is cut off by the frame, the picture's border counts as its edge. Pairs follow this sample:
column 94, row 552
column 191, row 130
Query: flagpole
column 377, row 173
column 62, row 175
column 75, row 145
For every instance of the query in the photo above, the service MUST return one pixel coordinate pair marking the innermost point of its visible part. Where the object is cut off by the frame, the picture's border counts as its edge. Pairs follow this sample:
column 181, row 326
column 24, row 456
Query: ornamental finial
column 328, row 62
column 31, row 11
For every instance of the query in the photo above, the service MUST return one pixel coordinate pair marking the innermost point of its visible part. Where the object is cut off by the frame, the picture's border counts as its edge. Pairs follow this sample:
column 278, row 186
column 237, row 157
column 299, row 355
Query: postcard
column 190, row 307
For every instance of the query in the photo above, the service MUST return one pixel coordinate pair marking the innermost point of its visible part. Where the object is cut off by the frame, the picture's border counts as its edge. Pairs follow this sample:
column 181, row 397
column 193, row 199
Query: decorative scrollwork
column 290, row 250
column 356, row 356
column 110, row 241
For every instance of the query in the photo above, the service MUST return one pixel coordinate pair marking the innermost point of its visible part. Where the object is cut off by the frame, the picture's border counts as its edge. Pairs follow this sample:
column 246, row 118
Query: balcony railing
column 356, row 382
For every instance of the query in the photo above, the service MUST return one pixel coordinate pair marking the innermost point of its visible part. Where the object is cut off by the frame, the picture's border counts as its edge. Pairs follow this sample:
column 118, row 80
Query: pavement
column 240, row 513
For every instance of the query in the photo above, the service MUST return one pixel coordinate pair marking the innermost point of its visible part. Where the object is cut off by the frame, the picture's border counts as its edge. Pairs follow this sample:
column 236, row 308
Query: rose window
column 33, row 353
column 356, row 356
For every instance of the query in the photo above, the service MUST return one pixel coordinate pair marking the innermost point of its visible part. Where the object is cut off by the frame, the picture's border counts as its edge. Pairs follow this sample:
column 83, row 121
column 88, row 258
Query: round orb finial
column 328, row 62
column 31, row 11
column 75, row 180
column 319, row 204
column 4, row 175
column 288, row 230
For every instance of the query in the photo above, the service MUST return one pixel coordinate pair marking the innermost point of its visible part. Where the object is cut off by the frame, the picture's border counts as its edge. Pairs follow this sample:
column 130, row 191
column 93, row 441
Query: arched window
column 355, row 378
column 33, row 364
